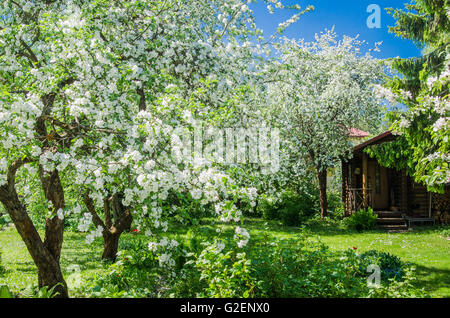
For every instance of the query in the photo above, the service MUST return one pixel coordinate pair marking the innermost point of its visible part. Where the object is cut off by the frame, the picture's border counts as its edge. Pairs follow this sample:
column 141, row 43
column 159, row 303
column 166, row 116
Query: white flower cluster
column 164, row 249
column 60, row 214
column 85, row 222
column 252, row 196
column 385, row 93
column 90, row 237
column 242, row 236
column 441, row 123
column 3, row 168
column 319, row 88
column 404, row 123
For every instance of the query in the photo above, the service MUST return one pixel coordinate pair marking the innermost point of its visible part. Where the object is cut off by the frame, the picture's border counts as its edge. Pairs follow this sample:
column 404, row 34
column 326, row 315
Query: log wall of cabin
column 418, row 199
column 441, row 206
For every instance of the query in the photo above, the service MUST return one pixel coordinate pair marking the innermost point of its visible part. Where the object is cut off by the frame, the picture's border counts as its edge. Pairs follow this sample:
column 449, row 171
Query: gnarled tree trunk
column 45, row 254
column 113, row 226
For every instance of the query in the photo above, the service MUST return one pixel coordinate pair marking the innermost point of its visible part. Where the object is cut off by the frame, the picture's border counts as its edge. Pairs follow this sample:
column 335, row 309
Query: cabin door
column 379, row 185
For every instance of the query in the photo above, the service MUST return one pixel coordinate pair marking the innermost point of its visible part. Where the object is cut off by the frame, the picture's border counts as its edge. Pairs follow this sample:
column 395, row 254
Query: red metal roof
column 357, row 133
column 384, row 137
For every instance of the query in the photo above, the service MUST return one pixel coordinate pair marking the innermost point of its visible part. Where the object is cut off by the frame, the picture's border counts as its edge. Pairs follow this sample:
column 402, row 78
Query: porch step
column 391, row 221
column 389, row 214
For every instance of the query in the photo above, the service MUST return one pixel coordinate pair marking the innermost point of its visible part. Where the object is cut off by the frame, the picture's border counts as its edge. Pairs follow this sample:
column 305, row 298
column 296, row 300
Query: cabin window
column 377, row 180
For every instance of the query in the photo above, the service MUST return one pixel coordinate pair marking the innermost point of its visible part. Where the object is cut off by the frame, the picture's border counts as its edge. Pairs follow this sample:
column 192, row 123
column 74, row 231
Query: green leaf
column 5, row 292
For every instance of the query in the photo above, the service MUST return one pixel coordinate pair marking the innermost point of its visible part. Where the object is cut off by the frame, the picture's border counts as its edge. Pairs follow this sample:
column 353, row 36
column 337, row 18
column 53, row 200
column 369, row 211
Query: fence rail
column 357, row 198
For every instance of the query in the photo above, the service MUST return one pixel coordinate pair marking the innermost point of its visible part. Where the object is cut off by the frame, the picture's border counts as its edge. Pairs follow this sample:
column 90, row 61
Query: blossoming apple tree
column 316, row 92
column 90, row 95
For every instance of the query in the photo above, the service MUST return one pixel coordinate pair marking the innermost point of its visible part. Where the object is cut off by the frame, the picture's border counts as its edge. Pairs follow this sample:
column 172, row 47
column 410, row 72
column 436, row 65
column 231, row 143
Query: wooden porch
column 393, row 195
column 367, row 184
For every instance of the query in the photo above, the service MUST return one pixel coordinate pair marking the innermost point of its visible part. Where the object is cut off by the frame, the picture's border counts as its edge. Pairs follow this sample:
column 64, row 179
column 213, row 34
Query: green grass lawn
column 425, row 247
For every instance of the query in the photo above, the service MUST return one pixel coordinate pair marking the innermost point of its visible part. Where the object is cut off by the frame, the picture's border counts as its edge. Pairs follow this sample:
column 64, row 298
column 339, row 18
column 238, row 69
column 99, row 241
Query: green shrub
column 30, row 292
column 133, row 275
column 137, row 272
column 290, row 207
column 276, row 268
column 267, row 208
column 304, row 268
column 290, row 215
column 362, row 220
column 226, row 274
column 391, row 266
column 444, row 231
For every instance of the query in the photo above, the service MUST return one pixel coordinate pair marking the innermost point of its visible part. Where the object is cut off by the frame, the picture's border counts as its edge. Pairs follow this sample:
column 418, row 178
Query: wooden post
column 365, row 180
column 345, row 167
column 404, row 195
column 430, row 205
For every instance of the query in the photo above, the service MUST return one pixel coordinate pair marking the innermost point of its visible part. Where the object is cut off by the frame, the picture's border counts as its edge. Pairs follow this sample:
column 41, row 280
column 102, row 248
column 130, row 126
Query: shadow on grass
column 432, row 279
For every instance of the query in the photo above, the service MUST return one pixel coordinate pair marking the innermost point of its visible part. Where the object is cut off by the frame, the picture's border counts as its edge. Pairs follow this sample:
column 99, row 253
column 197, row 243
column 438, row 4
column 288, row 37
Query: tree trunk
column 111, row 230
column 52, row 276
column 111, row 245
column 49, row 271
column 111, row 236
column 322, row 179
column 54, row 227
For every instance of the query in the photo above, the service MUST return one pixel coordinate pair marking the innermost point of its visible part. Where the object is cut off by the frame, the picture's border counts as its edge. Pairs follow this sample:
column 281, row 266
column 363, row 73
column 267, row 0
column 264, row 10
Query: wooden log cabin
column 398, row 200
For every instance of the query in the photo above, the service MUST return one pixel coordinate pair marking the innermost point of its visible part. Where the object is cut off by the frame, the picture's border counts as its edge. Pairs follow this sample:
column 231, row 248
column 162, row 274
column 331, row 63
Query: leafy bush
column 133, row 275
column 290, row 207
column 391, row 266
column 287, row 268
column 300, row 268
column 304, row 268
column 227, row 274
column 444, row 231
column 362, row 220
column 290, row 215
column 30, row 292
column 267, row 207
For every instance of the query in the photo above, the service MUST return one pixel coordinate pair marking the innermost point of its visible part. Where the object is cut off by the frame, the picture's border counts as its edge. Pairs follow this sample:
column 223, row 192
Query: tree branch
column 91, row 208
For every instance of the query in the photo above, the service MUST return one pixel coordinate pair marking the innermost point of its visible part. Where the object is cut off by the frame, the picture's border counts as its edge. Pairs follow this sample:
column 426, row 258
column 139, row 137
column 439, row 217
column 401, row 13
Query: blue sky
column 347, row 16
